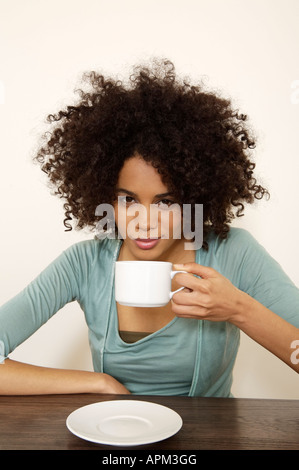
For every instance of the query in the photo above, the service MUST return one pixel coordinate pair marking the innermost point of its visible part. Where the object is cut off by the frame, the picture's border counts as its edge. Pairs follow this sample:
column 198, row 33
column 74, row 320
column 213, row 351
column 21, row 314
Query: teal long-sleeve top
column 187, row 356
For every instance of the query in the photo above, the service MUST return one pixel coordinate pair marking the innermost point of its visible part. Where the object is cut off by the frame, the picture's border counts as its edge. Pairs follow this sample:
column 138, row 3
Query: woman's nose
column 146, row 222
column 145, row 219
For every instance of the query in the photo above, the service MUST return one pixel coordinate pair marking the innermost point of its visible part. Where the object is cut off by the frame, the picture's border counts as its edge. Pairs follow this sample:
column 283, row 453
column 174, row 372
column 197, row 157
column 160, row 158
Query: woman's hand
column 17, row 378
column 212, row 297
column 109, row 384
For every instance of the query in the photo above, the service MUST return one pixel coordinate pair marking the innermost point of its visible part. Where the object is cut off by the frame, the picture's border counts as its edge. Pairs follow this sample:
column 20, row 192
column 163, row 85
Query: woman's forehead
column 139, row 176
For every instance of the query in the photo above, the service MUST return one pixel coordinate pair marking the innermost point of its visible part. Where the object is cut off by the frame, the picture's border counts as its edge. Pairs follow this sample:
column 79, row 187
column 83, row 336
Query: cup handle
column 172, row 274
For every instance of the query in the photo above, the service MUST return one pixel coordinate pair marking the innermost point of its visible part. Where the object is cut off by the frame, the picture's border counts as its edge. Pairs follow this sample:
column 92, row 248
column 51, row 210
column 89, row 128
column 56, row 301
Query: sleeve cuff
column 2, row 353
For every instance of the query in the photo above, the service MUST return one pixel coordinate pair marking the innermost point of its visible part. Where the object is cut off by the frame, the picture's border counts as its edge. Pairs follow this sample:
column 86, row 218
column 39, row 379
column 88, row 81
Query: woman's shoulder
column 93, row 249
column 236, row 252
column 237, row 239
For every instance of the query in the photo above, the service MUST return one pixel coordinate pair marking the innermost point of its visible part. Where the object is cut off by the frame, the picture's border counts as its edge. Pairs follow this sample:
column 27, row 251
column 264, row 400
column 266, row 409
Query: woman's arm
column 17, row 378
column 57, row 285
column 268, row 329
column 213, row 297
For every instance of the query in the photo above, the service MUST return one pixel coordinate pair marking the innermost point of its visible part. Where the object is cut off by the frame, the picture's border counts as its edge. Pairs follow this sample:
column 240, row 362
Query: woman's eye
column 164, row 203
column 125, row 200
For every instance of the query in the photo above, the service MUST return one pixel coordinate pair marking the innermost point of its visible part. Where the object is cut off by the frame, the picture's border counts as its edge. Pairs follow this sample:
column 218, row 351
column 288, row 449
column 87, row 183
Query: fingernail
column 179, row 266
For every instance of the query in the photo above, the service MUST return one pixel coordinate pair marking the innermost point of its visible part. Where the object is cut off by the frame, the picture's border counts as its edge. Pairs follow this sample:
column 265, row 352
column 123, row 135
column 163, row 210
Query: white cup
column 144, row 283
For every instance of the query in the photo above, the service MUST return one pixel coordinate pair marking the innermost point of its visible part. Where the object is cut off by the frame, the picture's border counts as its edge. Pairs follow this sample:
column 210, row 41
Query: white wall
column 247, row 48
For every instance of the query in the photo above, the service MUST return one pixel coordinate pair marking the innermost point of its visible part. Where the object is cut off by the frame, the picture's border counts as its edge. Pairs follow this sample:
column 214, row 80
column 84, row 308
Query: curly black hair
column 197, row 142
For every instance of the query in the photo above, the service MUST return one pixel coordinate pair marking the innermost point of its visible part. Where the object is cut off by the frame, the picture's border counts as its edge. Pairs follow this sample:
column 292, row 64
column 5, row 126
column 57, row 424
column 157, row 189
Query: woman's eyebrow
column 123, row 190
column 164, row 194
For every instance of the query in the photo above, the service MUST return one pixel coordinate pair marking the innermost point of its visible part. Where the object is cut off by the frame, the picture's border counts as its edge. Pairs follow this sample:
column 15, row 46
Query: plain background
column 248, row 49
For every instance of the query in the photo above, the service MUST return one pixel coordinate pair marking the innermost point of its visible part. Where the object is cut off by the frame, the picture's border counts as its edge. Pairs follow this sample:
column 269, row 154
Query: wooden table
column 38, row 423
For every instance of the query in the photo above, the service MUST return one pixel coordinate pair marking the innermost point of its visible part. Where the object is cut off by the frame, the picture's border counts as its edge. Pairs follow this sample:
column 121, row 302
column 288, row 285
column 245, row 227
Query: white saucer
column 124, row 422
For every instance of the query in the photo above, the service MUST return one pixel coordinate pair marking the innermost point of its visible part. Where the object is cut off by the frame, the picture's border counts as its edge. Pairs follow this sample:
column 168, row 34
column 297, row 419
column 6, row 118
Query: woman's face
column 146, row 213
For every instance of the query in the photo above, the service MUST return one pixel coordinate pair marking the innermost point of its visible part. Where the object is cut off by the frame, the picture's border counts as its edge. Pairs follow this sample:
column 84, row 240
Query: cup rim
column 142, row 261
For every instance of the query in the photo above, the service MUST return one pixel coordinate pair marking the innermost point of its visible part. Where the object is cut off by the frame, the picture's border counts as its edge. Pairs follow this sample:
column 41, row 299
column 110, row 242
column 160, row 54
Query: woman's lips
column 147, row 243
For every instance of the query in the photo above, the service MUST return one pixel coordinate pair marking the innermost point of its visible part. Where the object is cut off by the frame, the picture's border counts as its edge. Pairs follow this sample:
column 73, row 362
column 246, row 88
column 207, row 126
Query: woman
column 155, row 141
